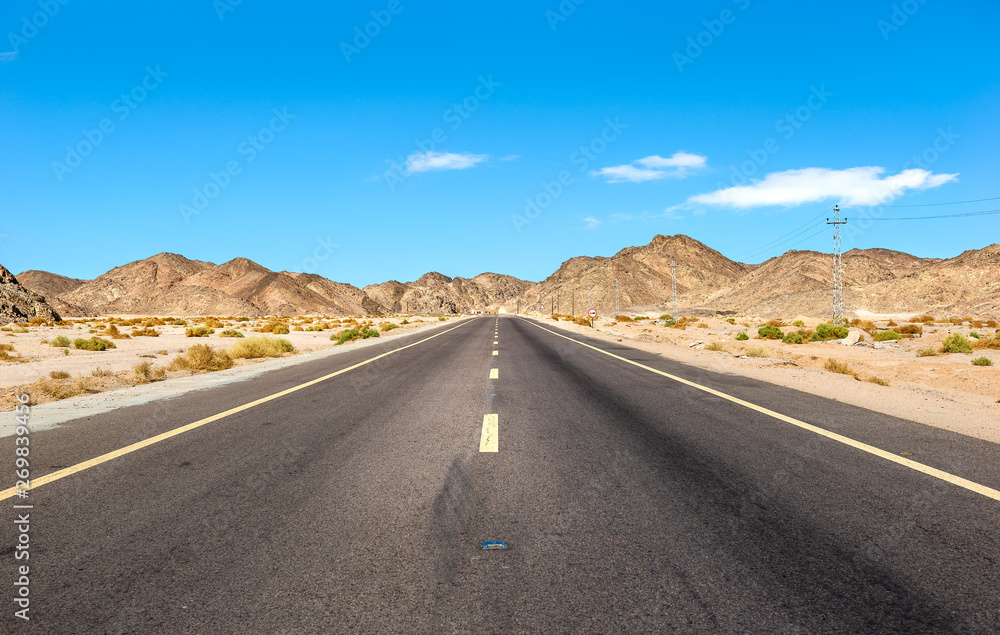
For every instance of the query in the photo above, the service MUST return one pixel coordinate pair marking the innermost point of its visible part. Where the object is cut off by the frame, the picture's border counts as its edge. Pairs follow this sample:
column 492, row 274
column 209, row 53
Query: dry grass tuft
column 144, row 373
column 715, row 346
column 757, row 351
column 59, row 374
column 202, row 358
column 62, row 388
column 877, row 380
column 926, row 352
column 834, row 366
column 145, row 332
column 255, row 347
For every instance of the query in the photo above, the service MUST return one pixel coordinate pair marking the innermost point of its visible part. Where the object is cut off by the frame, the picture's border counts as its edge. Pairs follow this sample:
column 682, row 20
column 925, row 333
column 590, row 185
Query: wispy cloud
column 435, row 161
column 852, row 186
column 510, row 157
column 593, row 223
column 653, row 168
column 9, row 56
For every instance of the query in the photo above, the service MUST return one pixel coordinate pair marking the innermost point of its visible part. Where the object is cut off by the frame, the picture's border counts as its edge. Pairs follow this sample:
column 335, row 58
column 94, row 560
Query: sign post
column 592, row 313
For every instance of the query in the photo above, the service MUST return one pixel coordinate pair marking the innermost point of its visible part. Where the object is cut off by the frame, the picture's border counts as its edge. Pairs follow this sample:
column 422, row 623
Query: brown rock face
column 17, row 304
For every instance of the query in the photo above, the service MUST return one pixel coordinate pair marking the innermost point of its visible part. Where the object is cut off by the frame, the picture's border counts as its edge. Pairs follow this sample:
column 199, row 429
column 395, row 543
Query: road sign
column 592, row 313
column 541, row 307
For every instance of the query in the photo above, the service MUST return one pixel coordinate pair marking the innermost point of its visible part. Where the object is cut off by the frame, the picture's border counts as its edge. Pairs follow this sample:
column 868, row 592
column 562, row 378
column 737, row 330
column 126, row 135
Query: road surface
column 629, row 500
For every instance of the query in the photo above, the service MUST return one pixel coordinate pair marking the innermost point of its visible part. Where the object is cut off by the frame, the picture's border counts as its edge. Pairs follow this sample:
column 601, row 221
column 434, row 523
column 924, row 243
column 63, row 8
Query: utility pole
column 673, row 285
column 574, row 302
column 838, row 271
column 588, row 298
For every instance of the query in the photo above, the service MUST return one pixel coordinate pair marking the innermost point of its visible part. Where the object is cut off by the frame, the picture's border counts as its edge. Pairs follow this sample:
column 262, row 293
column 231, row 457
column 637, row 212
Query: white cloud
column 654, row 167
column 432, row 161
column 592, row 223
column 9, row 56
column 510, row 157
column 862, row 186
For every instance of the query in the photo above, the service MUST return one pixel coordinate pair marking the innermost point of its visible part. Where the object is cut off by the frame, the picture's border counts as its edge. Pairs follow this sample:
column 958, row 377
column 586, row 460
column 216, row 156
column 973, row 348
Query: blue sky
column 471, row 137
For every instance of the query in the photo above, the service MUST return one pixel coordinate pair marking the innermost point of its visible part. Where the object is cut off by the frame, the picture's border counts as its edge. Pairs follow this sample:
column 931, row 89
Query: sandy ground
column 90, row 372
column 945, row 391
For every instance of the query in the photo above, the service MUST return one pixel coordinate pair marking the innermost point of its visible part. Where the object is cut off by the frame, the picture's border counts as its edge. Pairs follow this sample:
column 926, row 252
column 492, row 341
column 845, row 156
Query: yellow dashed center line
column 104, row 458
column 972, row 486
column 494, row 373
column 489, row 441
column 496, row 352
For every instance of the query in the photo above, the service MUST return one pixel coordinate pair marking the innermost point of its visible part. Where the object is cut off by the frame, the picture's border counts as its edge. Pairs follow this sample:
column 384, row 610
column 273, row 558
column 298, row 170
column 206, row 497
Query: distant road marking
column 104, row 458
column 494, row 373
column 972, row 486
column 489, row 442
column 495, row 342
column 496, row 352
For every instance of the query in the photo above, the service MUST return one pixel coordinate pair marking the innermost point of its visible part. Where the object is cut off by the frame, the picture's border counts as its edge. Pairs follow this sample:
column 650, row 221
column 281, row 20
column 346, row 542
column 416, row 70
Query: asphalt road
column 629, row 503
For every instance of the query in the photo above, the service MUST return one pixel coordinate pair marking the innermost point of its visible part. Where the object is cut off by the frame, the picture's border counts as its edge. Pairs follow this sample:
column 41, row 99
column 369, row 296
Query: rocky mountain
column 51, row 286
column 437, row 293
column 644, row 277
column 795, row 283
column 18, row 304
column 170, row 284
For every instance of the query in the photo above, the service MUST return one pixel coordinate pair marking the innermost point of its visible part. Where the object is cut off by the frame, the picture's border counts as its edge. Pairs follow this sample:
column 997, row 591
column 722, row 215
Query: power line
column 798, row 231
column 988, row 212
column 974, row 200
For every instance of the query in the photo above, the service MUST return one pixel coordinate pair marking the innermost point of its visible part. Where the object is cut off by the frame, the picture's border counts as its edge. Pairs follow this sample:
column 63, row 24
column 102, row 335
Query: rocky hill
column 18, row 304
column 795, row 283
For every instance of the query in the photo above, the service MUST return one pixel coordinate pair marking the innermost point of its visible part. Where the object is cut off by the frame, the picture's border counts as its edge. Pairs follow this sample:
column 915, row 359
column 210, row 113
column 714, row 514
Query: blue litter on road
column 494, row 544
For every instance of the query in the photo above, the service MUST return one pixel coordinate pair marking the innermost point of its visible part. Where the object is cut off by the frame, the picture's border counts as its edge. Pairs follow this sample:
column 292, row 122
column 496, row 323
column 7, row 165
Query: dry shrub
column 5, row 354
column 623, row 318
column 987, row 342
column 202, row 358
column 145, row 332
column 113, row 333
column 991, row 324
column 926, row 319
column 877, row 380
column 891, row 323
column 757, row 351
column 255, row 347
column 715, row 346
column 702, row 325
column 145, row 372
column 926, row 352
column 778, row 323
column 834, row 366
column 199, row 331
column 62, row 388
column 93, row 344
column 214, row 323
column 100, row 372
column 59, row 374
column 976, row 324
column 910, row 329
column 582, row 321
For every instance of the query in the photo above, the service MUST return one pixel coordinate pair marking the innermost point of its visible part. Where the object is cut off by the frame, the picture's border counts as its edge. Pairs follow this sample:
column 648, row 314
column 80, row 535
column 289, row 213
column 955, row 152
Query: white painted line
column 972, row 486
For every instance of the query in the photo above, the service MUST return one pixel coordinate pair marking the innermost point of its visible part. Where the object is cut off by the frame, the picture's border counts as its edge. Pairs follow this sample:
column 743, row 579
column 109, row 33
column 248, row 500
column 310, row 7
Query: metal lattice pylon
column 838, row 271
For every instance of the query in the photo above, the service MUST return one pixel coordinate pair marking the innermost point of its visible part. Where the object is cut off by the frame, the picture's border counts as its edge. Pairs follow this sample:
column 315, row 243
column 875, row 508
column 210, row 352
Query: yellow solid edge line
column 104, row 458
column 494, row 373
column 972, row 486
column 489, row 441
